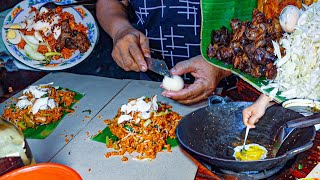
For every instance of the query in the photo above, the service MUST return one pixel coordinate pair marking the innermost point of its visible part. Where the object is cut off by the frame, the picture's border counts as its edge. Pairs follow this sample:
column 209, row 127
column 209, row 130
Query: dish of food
column 249, row 47
column 39, row 105
column 141, row 129
column 49, row 39
column 251, row 152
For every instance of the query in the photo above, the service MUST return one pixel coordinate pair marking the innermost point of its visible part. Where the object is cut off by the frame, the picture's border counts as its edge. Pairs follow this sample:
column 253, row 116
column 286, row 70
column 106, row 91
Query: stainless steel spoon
column 245, row 139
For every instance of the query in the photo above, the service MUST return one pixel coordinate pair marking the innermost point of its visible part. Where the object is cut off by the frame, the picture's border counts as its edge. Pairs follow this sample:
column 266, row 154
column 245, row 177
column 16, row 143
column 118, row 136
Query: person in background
column 165, row 29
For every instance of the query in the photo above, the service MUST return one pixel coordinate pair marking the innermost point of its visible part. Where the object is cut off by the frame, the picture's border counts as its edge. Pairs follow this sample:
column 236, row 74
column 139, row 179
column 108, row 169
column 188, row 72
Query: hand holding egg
column 174, row 83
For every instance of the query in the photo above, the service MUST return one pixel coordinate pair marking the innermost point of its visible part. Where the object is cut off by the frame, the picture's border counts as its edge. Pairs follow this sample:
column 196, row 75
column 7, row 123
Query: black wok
column 211, row 133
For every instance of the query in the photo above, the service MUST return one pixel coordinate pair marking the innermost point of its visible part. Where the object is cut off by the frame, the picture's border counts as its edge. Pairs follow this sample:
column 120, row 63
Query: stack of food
column 249, row 46
column 142, row 127
column 39, row 105
column 299, row 69
column 48, row 34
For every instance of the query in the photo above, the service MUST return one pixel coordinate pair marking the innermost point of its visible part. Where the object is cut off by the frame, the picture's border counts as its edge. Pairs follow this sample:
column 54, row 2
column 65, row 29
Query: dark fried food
column 249, row 46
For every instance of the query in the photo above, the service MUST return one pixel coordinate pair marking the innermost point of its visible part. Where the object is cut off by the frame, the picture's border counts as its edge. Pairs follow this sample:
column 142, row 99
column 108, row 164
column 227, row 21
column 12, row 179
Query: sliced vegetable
column 145, row 124
column 33, row 54
column 33, row 46
column 32, row 39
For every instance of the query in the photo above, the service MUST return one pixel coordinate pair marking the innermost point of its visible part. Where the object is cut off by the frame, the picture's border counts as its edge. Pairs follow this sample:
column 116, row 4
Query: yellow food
column 15, row 26
column 11, row 34
column 252, row 152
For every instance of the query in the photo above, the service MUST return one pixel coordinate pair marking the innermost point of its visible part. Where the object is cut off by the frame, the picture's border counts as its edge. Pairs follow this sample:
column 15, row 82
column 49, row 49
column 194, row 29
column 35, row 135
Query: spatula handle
column 304, row 121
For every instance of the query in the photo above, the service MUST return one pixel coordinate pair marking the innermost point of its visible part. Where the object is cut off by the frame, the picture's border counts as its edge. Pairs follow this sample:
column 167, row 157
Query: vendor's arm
column 253, row 113
column 206, row 76
column 130, row 46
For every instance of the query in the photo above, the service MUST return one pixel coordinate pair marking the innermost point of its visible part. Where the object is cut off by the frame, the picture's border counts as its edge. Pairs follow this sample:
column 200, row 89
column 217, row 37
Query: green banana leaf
column 217, row 13
column 43, row 131
column 101, row 137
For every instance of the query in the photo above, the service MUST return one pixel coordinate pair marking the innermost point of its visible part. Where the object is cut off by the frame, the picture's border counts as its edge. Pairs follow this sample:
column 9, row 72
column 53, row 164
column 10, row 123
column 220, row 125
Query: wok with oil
column 211, row 133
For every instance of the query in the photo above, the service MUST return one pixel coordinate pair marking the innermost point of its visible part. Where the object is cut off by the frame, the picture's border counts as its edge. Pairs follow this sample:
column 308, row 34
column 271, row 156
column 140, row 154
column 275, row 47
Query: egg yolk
column 11, row 34
column 251, row 154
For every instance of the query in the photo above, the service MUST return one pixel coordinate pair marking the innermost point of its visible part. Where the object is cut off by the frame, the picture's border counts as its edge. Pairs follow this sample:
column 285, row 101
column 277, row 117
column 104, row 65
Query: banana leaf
column 217, row 13
column 101, row 137
column 43, row 131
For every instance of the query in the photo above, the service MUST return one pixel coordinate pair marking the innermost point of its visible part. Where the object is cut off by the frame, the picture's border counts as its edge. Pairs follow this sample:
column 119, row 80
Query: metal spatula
column 286, row 129
column 158, row 66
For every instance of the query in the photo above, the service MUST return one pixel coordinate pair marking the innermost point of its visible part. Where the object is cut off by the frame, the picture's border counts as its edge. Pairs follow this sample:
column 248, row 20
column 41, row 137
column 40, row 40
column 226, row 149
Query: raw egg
column 174, row 83
column 251, row 152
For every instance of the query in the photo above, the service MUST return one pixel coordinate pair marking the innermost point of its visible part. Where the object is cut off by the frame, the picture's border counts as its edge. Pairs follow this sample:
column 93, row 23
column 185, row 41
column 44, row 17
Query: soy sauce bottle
column 14, row 150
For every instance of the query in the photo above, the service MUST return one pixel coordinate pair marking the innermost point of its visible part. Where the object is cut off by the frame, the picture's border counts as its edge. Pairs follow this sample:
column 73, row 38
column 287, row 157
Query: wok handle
column 298, row 150
column 304, row 121
column 215, row 99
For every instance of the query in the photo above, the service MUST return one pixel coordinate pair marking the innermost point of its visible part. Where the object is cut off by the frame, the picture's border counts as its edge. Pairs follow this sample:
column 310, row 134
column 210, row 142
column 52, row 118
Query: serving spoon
column 245, row 139
column 53, row 5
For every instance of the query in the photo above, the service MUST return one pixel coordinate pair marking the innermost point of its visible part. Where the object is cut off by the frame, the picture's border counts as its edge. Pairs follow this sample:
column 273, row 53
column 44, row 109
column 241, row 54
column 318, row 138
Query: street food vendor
column 168, row 30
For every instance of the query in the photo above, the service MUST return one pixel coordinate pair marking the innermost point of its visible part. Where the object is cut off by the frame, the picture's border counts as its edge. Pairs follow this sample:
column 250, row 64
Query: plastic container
column 51, row 171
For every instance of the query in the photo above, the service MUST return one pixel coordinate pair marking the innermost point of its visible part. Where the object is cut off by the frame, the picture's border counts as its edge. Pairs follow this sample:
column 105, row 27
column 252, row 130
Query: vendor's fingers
column 138, row 57
column 189, row 95
column 252, row 120
column 246, row 114
column 118, row 59
column 183, row 67
column 144, row 44
column 128, row 61
column 194, row 99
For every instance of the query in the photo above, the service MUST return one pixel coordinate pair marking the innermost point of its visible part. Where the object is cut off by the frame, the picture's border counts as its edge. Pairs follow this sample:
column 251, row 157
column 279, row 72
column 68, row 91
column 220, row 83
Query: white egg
column 289, row 17
column 13, row 36
column 33, row 54
column 174, row 83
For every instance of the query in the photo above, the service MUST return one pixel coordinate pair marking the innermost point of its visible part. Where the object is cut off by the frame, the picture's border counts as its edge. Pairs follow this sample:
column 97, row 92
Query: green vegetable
column 128, row 128
column 107, row 140
column 299, row 166
column 22, row 125
column 48, row 56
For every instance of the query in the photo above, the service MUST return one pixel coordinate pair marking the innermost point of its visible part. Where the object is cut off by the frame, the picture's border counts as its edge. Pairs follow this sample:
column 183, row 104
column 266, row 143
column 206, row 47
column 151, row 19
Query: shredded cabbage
column 298, row 73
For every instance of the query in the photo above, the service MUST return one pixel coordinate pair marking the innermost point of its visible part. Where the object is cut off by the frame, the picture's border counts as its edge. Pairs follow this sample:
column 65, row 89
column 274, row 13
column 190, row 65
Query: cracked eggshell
column 40, row 104
column 124, row 118
column 23, row 103
column 174, row 83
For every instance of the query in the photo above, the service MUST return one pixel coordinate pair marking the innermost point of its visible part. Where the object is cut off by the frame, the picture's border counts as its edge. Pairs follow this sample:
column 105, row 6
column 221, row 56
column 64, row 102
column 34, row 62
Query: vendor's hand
column 253, row 113
column 206, row 76
column 130, row 46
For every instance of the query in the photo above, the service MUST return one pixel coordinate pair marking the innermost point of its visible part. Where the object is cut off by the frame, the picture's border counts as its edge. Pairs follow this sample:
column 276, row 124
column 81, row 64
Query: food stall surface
column 69, row 144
